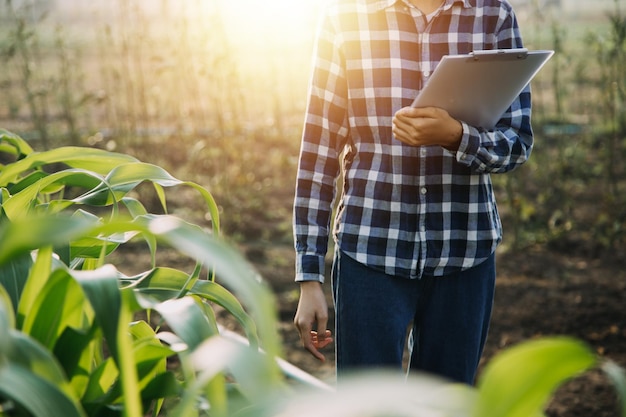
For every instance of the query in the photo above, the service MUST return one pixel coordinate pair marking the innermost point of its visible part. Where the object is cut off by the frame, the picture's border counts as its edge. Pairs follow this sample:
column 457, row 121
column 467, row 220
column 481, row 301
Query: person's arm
column 324, row 136
column 497, row 150
column 313, row 311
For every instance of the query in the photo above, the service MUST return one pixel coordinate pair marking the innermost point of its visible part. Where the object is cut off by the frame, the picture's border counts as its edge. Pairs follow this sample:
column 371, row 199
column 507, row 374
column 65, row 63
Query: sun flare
column 269, row 22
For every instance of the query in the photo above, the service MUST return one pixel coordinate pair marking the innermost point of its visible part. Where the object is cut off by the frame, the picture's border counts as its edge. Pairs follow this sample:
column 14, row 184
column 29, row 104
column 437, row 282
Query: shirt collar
column 378, row 5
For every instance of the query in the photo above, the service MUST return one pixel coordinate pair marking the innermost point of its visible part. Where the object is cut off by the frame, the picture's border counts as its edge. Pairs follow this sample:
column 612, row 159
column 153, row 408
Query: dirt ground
column 538, row 293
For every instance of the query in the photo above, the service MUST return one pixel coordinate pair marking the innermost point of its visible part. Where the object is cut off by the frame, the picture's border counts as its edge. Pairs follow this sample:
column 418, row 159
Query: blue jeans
column 450, row 318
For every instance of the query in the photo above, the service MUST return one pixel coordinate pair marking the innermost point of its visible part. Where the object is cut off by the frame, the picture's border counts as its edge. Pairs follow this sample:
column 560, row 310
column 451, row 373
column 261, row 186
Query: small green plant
column 70, row 340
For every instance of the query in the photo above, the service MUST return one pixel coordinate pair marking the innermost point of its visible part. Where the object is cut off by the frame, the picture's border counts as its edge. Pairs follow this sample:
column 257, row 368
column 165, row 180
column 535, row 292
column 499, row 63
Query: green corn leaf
column 4, row 196
column 124, row 178
column 162, row 284
column 29, row 373
column 232, row 269
column 133, row 406
column 27, row 181
column 211, row 206
column 101, row 381
column 76, row 352
column 216, row 392
column 159, row 284
column 519, row 381
column 37, row 279
column 142, row 332
column 150, row 353
column 375, row 393
column 14, row 274
column 224, row 298
column 187, row 320
column 163, row 385
column 113, row 315
column 55, row 206
column 59, row 304
column 247, row 365
column 29, row 354
column 137, row 172
column 22, row 236
column 134, row 207
column 37, row 395
column 7, row 323
column 223, row 356
column 151, row 360
column 104, row 194
column 20, row 204
column 94, row 247
column 101, row 289
column 13, row 144
column 91, row 159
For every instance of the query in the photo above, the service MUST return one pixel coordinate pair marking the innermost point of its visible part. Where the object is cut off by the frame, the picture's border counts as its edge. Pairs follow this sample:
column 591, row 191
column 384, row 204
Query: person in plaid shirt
column 416, row 224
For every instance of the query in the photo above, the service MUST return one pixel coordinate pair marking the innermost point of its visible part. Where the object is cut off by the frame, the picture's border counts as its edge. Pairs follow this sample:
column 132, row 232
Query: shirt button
column 426, row 74
column 423, row 152
column 423, row 190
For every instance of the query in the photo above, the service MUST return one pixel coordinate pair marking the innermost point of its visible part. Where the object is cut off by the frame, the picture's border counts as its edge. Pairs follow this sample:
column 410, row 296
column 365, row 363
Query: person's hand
column 313, row 311
column 423, row 126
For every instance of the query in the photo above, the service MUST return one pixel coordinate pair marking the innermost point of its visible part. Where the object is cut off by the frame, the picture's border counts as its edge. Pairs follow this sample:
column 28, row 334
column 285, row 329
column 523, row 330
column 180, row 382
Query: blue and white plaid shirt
column 403, row 210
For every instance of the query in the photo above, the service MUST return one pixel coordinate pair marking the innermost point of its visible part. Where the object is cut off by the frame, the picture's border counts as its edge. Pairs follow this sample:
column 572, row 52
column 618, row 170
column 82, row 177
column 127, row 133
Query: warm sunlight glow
column 270, row 22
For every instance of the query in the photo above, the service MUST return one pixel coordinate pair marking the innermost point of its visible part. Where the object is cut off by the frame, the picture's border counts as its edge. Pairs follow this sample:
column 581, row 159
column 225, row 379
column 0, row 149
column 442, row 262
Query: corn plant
column 71, row 342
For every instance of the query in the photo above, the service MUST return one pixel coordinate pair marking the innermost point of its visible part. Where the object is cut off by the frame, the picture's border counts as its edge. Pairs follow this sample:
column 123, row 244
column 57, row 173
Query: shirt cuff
column 468, row 147
column 310, row 267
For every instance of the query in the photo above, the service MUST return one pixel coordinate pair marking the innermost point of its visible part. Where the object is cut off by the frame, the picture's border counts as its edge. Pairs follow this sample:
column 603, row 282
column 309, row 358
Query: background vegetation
column 215, row 94
column 183, row 85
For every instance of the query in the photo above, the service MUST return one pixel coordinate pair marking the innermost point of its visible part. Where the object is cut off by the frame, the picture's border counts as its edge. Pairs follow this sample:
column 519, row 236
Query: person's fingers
column 405, row 131
column 312, row 347
column 308, row 338
column 322, row 320
column 402, row 124
column 321, row 343
column 400, row 128
column 318, row 343
column 316, row 339
column 414, row 112
column 303, row 326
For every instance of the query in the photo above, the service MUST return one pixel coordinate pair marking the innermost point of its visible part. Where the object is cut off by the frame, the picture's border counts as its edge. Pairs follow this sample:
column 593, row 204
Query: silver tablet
column 478, row 88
